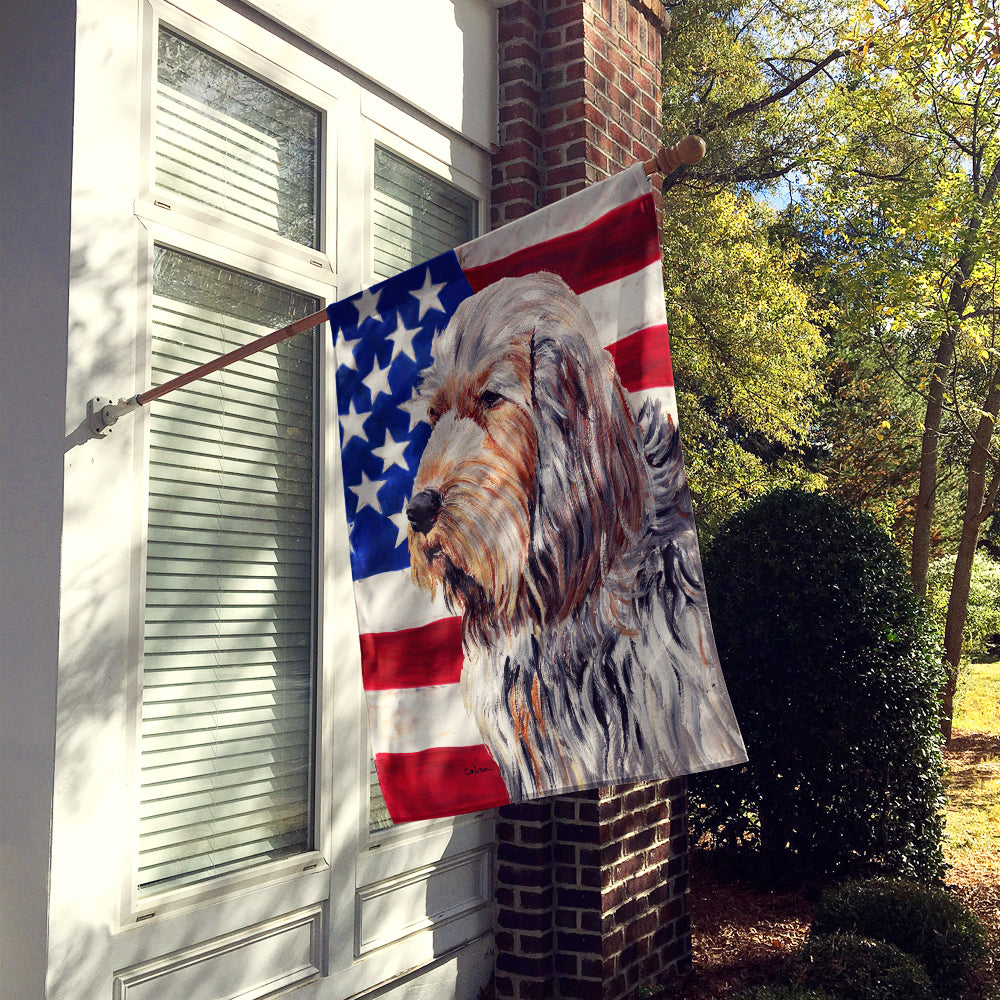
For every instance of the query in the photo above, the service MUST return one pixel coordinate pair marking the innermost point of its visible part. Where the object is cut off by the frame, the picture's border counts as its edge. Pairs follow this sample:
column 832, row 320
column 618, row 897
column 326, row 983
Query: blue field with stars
column 383, row 338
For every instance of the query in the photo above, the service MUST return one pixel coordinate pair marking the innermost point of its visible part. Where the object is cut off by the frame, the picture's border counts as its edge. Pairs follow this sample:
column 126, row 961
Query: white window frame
column 350, row 874
column 388, row 858
column 180, row 224
column 182, row 240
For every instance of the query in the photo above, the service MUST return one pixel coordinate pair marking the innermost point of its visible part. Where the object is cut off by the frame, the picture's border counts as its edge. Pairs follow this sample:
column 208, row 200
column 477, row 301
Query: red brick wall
column 579, row 96
column 591, row 889
column 591, row 893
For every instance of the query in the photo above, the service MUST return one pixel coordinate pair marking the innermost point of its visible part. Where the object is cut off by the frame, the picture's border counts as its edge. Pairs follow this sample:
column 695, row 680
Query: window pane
column 226, row 139
column 416, row 216
column 228, row 678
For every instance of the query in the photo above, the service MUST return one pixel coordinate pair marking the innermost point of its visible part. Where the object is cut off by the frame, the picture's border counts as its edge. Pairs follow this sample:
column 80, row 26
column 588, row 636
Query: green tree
column 912, row 190
column 748, row 76
column 747, row 356
column 866, row 439
column 881, row 122
column 982, row 620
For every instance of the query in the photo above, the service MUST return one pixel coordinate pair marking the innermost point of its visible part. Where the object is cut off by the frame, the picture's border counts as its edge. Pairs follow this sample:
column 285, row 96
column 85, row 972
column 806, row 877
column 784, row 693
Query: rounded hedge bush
column 833, row 672
column 856, row 968
column 925, row 922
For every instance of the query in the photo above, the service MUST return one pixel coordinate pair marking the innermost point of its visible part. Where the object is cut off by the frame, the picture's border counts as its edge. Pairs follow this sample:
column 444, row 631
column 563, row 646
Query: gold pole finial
column 668, row 158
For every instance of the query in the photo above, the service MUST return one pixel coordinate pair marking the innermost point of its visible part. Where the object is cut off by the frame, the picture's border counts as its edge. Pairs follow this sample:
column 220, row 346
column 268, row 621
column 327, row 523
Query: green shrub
column 856, row 968
column 833, row 672
column 925, row 922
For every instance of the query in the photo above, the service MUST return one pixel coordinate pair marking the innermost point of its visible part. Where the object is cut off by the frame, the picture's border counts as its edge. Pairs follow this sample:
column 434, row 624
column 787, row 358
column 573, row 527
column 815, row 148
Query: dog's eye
column 432, row 415
column 490, row 400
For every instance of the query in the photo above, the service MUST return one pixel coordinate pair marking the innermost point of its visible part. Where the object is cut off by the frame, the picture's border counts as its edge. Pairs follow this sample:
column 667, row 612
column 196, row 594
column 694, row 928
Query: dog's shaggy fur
column 561, row 528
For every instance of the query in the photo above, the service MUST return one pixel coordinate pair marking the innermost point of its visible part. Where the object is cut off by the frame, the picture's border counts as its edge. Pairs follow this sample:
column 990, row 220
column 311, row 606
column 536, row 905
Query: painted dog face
column 531, row 479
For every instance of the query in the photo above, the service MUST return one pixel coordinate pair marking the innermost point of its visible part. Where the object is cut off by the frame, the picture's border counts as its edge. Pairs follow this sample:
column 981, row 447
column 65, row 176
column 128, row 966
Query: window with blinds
column 225, row 139
column 416, row 215
column 226, row 756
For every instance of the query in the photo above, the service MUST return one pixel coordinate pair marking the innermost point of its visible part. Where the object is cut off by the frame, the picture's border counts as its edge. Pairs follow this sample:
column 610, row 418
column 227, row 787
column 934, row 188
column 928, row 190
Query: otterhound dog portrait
column 559, row 526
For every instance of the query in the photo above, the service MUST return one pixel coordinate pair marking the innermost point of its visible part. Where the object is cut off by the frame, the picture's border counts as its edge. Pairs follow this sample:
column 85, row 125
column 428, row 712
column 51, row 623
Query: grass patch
column 973, row 781
column 977, row 703
column 973, row 812
column 974, row 807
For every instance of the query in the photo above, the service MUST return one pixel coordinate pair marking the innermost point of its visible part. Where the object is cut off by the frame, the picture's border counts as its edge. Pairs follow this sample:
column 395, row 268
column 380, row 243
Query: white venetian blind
column 416, row 216
column 228, row 140
column 228, row 658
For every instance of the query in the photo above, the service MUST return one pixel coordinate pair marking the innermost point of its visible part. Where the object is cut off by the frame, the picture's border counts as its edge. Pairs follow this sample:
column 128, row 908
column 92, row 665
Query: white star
column 427, row 295
column 367, row 306
column 416, row 410
column 391, row 452
column 402, row 340
column 352, row 423
column 345, row 355
column 402, row 522
column 377, row 380
column 367, row 493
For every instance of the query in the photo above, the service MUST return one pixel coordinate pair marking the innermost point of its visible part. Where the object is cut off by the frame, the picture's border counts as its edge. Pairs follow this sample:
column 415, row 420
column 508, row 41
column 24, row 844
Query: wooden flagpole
column 260, row 344
column 102, row 413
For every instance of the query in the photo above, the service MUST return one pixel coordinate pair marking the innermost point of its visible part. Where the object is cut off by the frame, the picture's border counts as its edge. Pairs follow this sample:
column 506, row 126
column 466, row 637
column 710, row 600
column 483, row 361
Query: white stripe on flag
column 620, row 308
column 391, row 601
column 666, row 396
column 412, row 719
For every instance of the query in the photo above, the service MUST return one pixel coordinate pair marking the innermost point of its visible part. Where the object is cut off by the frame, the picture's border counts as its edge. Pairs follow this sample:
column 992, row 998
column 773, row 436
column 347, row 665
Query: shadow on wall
column 90, row 818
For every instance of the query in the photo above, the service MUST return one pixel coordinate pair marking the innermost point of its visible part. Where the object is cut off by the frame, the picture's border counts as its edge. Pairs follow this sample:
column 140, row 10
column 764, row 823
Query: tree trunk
column 958, row 299
column 920, row 553
column 980, row 499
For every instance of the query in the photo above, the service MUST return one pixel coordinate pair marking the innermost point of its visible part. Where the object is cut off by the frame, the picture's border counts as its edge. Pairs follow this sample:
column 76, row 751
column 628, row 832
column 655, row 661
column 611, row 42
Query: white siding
column 36, row 108
column 438, row 57
column 77, row 502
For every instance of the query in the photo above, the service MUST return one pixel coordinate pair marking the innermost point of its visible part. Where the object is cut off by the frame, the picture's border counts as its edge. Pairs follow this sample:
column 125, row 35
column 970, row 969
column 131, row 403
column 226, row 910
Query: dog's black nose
column 423, row 509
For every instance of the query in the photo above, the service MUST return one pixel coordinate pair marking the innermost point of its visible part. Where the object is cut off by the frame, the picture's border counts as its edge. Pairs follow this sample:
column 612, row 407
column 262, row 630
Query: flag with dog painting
column 529, row 592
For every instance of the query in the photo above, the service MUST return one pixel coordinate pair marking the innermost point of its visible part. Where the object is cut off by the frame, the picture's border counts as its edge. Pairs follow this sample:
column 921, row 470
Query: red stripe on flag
column 442, row 781
column 643, row 359
column 412, row 657
column 617, row 244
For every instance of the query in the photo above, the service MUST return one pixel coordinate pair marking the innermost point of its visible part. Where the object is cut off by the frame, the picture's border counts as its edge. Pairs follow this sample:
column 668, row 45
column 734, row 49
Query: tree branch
column 754, row 106
column 899, row 176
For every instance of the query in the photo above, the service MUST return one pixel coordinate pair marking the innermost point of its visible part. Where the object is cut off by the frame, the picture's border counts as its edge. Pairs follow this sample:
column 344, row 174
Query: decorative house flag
column 527, row 579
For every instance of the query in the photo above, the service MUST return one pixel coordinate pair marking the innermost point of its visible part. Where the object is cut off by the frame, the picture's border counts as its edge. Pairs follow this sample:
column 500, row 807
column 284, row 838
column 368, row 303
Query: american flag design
column 603, row 242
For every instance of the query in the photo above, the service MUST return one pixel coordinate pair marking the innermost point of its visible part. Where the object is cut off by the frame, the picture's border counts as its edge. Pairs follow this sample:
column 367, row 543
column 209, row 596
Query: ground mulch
column 979, row 889
column 742, row 934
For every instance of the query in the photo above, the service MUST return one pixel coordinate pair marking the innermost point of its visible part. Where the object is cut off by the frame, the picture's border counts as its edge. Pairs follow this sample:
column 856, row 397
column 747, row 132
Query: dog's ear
column 591, row 482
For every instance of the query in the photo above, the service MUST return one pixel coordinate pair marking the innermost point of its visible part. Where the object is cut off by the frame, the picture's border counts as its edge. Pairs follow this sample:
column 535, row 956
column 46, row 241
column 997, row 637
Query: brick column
column 591, row 893
column 579, row 96
column 591, row 889
column 518, row 174
column 524, row 902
